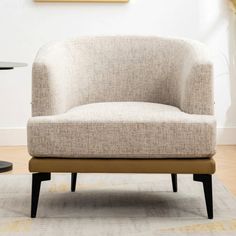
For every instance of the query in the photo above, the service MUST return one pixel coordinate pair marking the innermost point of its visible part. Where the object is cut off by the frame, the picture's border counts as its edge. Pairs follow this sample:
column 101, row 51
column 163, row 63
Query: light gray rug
column 114, row 204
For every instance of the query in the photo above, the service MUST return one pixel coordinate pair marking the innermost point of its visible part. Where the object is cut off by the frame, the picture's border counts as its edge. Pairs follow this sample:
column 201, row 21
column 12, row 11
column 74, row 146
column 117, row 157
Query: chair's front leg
column 206, row 179
column 37, row 178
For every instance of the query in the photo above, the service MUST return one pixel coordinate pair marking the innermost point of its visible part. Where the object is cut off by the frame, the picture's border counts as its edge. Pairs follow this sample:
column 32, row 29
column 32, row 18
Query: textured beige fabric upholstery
column 122, row 97
column 110, row 69
column 122, row 129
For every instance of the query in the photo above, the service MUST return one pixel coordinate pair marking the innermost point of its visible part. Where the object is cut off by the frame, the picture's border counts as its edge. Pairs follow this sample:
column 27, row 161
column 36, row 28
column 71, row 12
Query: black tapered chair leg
column 206, row 179
column 73, row 181
column 37, row 178
column 174, row 182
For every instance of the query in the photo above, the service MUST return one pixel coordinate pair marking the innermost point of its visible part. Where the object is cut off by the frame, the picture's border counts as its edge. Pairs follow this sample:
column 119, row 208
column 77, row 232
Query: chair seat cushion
column 122, row 130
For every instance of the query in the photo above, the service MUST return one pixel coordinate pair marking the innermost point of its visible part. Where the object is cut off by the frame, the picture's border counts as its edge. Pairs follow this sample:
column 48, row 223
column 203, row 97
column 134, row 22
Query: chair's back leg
column 37, row 178
column 206, row 179
column 174, row 182
column 73, row 181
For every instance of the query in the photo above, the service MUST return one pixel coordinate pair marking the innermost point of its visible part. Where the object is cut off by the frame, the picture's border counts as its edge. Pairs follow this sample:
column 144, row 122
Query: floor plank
column 18, row 155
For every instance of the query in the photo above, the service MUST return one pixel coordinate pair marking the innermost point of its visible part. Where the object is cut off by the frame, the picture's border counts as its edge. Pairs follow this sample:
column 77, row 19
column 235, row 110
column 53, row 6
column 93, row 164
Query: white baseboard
column 226, row 136
column 13, row 136
column 17, row 136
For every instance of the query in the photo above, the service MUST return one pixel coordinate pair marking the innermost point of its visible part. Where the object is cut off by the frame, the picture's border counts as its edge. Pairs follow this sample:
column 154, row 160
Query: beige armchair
column 122, row 105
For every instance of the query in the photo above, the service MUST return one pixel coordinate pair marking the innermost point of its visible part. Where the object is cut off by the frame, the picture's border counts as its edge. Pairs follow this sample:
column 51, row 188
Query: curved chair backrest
column 127, row 68
column 118, row 68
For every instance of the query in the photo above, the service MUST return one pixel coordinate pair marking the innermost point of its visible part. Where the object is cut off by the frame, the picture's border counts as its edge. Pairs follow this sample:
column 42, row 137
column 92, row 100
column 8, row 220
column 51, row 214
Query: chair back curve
column 126, row 69
column 116, row 68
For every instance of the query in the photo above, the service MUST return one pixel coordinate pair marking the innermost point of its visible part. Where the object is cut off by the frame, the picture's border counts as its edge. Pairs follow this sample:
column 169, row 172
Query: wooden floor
column 225, row 163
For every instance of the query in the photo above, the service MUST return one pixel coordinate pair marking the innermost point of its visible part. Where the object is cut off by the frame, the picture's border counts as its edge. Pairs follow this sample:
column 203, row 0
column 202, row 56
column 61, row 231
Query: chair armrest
column 49, row 75
column 197, row 81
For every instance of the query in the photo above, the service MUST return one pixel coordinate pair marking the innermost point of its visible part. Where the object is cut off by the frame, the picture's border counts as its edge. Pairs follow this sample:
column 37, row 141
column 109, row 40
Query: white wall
column 25, row 26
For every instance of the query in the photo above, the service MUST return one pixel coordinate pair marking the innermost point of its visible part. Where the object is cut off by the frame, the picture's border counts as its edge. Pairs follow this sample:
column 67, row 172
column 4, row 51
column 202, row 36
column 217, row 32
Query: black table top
column 10, row 65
